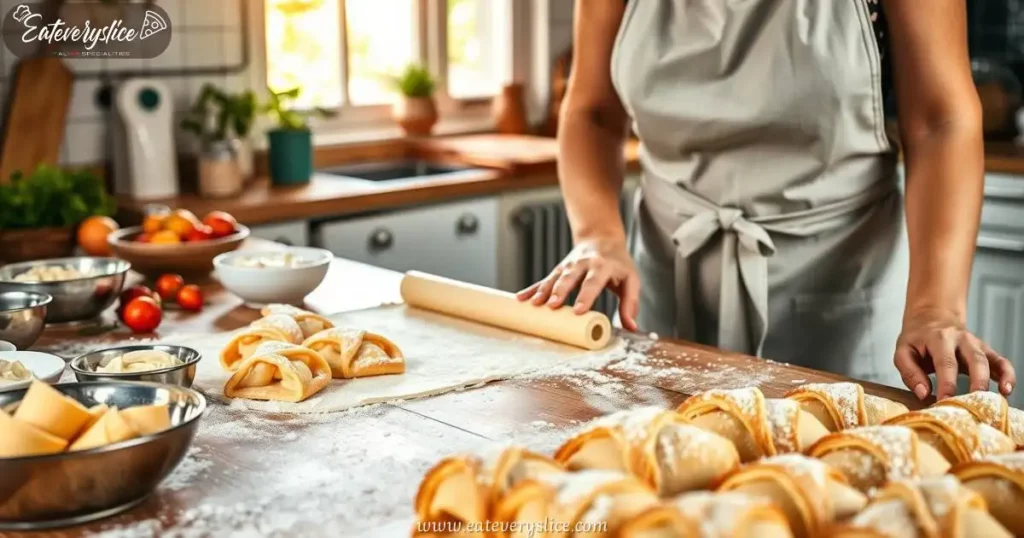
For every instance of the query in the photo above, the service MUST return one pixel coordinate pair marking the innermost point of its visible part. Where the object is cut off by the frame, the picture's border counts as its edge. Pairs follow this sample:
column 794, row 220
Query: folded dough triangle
column 700, row 514
column 110, row 428
column 355, row 353
column 999, row 479
column 840, row 406
column 18, row 439
column 310, row 322
column 47, row 409
column 955, row 433
column 275, row 377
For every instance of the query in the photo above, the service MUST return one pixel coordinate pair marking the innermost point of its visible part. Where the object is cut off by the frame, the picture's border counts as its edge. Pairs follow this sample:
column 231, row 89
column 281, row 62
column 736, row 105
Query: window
column 341, row 52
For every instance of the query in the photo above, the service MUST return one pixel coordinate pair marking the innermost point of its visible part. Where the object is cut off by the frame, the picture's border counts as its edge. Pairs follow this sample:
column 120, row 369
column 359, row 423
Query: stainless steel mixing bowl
column 76, row 299
column 22, row 316
column 85, row 366
column 39, row 492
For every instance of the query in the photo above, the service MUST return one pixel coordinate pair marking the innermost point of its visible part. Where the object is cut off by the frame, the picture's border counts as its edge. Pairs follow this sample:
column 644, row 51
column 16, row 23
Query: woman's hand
column 936, row 341
column 593, row 265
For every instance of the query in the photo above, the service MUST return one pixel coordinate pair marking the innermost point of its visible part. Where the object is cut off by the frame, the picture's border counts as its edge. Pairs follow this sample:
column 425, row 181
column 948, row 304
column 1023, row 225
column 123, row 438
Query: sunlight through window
column 380, row 43
column 472, row 48
column 302, row 50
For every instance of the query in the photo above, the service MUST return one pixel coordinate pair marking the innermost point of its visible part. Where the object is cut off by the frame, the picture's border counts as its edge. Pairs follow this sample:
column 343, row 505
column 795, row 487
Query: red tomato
column 191, row 298
column 200, row 233
column 142, row 315
column 144, row 237
column 133, row 292
column 169, row 285
column 221, row 223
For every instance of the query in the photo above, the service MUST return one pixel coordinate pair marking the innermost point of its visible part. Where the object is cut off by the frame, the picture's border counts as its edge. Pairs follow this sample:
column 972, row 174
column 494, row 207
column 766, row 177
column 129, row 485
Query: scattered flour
column 191, row 467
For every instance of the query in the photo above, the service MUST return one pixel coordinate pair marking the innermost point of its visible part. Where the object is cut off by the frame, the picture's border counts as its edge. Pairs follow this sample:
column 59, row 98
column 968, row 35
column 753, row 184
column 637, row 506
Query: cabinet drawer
column 456, row 240
column 294, row 233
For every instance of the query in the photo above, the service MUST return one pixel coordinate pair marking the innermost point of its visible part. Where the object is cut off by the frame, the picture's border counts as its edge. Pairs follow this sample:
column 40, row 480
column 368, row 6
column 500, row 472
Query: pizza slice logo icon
column 152, row 24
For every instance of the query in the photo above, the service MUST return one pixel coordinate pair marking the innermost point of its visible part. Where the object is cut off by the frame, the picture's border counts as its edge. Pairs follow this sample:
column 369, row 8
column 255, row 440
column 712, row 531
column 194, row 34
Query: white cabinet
column 294, row 233
column 456, row 240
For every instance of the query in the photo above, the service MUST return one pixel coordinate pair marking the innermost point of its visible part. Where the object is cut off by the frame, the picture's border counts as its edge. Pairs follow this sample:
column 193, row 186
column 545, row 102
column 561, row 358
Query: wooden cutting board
column 38, row 110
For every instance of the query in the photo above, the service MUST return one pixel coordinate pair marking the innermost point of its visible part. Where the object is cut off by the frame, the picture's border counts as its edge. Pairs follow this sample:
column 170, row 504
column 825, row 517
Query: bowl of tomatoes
column 177, row 241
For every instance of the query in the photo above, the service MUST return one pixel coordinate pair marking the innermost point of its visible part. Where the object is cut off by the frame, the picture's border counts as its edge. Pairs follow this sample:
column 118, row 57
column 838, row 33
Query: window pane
column 380, row 42
column 474, row 58
column 303, row 50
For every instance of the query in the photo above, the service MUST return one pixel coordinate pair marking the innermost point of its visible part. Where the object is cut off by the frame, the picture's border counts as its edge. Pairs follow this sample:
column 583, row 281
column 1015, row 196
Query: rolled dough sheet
column 442, row 354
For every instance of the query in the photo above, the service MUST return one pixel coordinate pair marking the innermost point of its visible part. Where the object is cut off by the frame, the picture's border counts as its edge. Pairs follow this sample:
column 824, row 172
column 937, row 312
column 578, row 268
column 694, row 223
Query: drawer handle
column 1000, row 243
column 467, row 224
column 381, row 239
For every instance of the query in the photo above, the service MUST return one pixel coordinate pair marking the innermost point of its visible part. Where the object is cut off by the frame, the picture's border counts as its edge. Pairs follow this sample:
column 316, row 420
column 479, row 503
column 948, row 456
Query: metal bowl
column 84, row 366
column 56, row 490
column 22, row 316
column 76, row 299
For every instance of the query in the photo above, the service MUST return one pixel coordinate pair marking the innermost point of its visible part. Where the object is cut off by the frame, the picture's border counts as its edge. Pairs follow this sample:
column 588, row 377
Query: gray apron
column 769, row 219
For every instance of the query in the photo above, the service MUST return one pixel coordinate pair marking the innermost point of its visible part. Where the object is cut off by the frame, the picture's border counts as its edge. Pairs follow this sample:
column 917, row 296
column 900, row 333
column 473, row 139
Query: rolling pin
column 591, row 330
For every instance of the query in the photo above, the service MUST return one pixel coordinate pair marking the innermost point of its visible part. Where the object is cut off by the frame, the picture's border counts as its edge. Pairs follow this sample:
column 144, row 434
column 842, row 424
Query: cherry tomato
column 221, row 223
column 142, row 315
column 168, row 286
column 191, row 298
column 200, row 233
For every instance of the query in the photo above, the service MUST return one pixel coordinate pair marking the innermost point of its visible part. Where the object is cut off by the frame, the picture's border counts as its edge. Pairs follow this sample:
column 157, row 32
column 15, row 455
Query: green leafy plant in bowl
column 290, row 154
column 221, row 121
column 415, row 110
column 39, row 211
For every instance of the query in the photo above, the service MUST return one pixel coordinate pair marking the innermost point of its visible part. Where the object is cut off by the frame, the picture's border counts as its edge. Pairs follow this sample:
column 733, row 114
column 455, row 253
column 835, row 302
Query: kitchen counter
column 508, row 162
column 355, row 473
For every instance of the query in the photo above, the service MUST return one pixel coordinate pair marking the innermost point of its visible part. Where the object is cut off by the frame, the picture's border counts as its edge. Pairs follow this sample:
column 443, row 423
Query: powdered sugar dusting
column 1015, row 425
column 1013, row 461
column 717, row 512
column 941, row 493
column 897, row 443
column 798, row 464
column 988, row 407
column 782, row 417
column 891, row 518
column 844, row 397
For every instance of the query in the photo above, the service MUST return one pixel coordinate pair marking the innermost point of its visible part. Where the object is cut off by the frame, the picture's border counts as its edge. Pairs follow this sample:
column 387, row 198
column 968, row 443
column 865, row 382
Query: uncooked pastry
column 49, row 410
column 840, row 406
column 703, row 514
column 356, row 353
column 273, row 328
column 270, row 376
column 758, row 426
column 143, row 360
column 654, row 445
column 310, row 322
column 955, row 433
column 999, row 479
column 592, row 330
column 13, row 371
column 990, row 408
column 810, row 493
column 873, row 456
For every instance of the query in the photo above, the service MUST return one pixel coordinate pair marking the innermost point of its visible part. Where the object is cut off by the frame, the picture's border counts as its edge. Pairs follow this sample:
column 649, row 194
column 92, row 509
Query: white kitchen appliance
column 145, row 160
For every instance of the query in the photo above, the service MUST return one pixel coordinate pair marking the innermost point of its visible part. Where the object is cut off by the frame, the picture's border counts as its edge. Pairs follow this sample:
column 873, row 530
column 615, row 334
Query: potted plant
column 220, row 122
column 39, row 211
column 290, row 154
column 415, row 110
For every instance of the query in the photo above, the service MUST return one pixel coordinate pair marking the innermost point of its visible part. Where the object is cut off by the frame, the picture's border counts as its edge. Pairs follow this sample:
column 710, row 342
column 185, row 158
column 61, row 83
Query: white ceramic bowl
column 265, row 285
column 7, row 346
column 44, row 366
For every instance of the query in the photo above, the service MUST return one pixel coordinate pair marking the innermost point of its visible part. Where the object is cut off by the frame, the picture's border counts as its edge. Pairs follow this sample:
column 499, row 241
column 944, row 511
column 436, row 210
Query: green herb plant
column 280, row 107
column 414, row 81
column 51, row 197
column 217, row 115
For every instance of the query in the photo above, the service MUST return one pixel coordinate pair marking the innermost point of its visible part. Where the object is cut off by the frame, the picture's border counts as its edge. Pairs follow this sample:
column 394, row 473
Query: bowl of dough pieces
column 78, row 452
column 19, row 368
column 172, row 365
column 81, row 287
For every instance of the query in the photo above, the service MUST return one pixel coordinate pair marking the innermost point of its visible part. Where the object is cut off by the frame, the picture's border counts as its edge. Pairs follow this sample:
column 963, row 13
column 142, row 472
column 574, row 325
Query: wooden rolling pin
column 592, row 330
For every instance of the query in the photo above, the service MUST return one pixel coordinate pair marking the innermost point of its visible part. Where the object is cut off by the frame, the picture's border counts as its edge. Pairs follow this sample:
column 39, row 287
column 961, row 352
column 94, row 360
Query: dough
column 441, row 353
column 144, row 360
column 49, row 410
column 273, row 328
column 357, row 353
column 13, row 371
column 110, row 428
column 19, row 438
column 147, row 419
column 276, row 377
column 310, row 323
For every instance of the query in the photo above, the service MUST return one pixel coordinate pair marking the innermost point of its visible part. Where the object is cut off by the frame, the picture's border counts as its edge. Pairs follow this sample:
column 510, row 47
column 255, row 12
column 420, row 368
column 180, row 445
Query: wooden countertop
column 508, row 162
column 367, row 463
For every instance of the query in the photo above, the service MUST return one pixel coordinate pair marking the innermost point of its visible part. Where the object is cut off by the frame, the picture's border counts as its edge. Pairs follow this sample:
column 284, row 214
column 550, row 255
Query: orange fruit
column 165, row 237
column 92, row 235
column 181, row 222
column 153, row 223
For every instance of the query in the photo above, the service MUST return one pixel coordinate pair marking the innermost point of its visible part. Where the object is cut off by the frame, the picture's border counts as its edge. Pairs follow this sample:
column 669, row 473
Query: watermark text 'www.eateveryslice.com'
column 88, row 29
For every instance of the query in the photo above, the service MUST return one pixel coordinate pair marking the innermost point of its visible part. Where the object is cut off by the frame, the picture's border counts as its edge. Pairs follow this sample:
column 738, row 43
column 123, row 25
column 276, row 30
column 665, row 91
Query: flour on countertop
column 191, row 468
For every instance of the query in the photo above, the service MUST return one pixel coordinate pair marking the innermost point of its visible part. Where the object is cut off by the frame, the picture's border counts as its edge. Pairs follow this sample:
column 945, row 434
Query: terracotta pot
column 36, row 244
column 219, row 173
column 509, row 110
column 416, row 115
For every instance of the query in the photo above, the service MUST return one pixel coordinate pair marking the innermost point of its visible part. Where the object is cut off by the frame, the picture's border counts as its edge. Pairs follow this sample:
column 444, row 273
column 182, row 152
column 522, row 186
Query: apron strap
column 746, row 245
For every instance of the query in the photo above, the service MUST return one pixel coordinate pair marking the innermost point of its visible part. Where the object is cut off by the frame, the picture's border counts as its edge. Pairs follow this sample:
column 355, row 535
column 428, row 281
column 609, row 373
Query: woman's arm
column 591, row 138
column 940, row 129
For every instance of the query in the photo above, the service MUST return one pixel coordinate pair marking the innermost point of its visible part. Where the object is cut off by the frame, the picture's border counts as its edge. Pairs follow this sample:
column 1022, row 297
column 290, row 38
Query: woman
column 770, row 219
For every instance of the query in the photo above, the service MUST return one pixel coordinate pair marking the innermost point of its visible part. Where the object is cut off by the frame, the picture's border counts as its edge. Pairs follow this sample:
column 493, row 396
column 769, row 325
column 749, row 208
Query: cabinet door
column 456, row 240
column 996, row 305
column 294, row 233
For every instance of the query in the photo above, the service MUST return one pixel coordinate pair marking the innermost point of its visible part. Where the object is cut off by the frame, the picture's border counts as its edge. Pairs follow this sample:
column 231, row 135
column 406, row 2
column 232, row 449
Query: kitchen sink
column 397, row 170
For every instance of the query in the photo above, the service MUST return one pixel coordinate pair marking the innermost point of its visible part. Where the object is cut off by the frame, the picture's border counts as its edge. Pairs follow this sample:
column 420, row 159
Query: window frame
column 430, row 48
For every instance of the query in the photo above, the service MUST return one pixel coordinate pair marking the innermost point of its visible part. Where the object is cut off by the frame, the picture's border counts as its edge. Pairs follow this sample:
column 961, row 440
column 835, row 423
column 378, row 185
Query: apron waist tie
column 746, row 246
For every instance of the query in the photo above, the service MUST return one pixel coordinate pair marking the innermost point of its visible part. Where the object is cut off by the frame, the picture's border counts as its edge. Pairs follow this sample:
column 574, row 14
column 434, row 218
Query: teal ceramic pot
column 290, row 156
